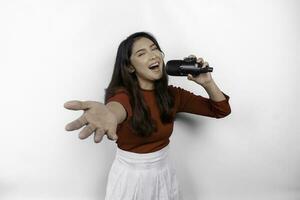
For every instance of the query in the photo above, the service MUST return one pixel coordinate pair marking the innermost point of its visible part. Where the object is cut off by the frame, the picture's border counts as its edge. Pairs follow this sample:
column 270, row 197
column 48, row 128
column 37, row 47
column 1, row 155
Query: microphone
column 186, row 66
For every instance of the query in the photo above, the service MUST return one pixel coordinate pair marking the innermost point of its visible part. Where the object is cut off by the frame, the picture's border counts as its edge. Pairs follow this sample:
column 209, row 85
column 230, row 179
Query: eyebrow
column 144, row 49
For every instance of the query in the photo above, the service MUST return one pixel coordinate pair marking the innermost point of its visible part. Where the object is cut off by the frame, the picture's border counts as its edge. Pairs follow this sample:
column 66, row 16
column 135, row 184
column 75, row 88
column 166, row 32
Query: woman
column 139, row 113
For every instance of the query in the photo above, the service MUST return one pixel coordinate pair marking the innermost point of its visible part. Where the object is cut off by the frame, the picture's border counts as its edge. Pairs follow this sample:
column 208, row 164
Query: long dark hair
column 141, row 120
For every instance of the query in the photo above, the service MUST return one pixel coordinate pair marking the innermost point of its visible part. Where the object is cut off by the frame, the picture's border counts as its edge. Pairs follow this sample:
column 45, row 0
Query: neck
column 146, row 86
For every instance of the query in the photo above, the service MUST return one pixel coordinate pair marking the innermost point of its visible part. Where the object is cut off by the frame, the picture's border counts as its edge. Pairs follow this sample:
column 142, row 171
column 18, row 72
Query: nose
column 152, row 56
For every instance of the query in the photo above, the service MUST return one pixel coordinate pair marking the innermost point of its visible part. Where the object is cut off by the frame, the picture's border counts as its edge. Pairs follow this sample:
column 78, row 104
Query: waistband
column 143, row 160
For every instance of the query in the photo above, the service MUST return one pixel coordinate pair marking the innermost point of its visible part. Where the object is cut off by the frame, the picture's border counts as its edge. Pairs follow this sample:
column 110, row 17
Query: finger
column 76, row 105
column 205, row 64
column 76, row 124
column 86, row 131
column 111, row 134
column 190, row 77
column 99, row 135
column 200, row 60
column 192, row 56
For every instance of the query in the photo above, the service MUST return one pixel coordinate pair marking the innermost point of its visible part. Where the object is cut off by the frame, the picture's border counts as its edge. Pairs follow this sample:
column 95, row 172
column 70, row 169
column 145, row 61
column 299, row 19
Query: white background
column 55, row 51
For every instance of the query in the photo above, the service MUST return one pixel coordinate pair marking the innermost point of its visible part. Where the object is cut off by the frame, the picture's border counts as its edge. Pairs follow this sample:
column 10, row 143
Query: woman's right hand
column 97, row 118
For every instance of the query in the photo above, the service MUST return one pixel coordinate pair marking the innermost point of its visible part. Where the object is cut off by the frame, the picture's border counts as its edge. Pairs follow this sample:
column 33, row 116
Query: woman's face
column 145, row 55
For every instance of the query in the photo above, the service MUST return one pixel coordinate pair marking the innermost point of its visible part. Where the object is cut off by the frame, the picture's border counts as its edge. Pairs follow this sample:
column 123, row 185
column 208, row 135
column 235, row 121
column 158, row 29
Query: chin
column 159, row 77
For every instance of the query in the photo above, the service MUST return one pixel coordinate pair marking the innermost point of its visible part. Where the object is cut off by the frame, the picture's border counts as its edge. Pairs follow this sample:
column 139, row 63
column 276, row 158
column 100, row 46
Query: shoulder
column 181, row 94
column 121, row 90
column 173, row 88
column 117, row 92
column 120, row 95
column 177, row 90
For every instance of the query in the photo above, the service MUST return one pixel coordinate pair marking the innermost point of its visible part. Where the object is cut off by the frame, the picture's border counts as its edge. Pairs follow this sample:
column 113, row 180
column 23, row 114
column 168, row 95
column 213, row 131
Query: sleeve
column 123, row 99
column 196, row 104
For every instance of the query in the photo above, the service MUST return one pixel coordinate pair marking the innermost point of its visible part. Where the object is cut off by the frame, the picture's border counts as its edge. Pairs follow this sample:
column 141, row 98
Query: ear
column 130, row 69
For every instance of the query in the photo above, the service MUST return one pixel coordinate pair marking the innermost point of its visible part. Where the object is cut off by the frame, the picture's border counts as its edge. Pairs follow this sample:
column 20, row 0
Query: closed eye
column 144, row 53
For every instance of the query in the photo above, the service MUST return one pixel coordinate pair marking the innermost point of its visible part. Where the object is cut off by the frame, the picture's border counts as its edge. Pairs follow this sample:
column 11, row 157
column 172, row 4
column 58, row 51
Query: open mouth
column 154, row 66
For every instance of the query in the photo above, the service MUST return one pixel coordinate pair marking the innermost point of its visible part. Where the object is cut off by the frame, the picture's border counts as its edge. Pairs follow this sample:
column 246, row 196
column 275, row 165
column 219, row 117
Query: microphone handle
column 195, row 71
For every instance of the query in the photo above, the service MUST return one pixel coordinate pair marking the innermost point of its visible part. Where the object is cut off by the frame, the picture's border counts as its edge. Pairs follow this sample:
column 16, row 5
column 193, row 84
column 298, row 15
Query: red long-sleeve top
column 185, row 101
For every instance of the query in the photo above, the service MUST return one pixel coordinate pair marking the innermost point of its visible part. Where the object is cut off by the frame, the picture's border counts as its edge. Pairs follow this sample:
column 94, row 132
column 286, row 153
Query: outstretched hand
column 96, row 118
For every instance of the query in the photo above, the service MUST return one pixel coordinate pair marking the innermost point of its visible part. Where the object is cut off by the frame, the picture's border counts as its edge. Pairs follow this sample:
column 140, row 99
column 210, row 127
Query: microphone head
column 173, row 67
column 185, row 67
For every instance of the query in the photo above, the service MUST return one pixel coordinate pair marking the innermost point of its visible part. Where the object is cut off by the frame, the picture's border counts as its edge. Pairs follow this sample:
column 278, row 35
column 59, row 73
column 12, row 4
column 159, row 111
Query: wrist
column 208, row 84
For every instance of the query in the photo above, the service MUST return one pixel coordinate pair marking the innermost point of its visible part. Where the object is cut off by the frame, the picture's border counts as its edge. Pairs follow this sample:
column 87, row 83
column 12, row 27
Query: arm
column 214, row 92
column 118, row 110
column 207, row 82
column 97, row 117
column 217, row 103
column 100, row 118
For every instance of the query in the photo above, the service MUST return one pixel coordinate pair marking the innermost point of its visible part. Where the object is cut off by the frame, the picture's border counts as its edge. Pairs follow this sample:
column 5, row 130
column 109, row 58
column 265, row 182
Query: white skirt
column 146, row 176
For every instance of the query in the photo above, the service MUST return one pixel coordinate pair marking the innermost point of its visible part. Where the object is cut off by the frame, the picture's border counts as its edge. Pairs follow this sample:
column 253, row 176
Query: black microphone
column 186, row 66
